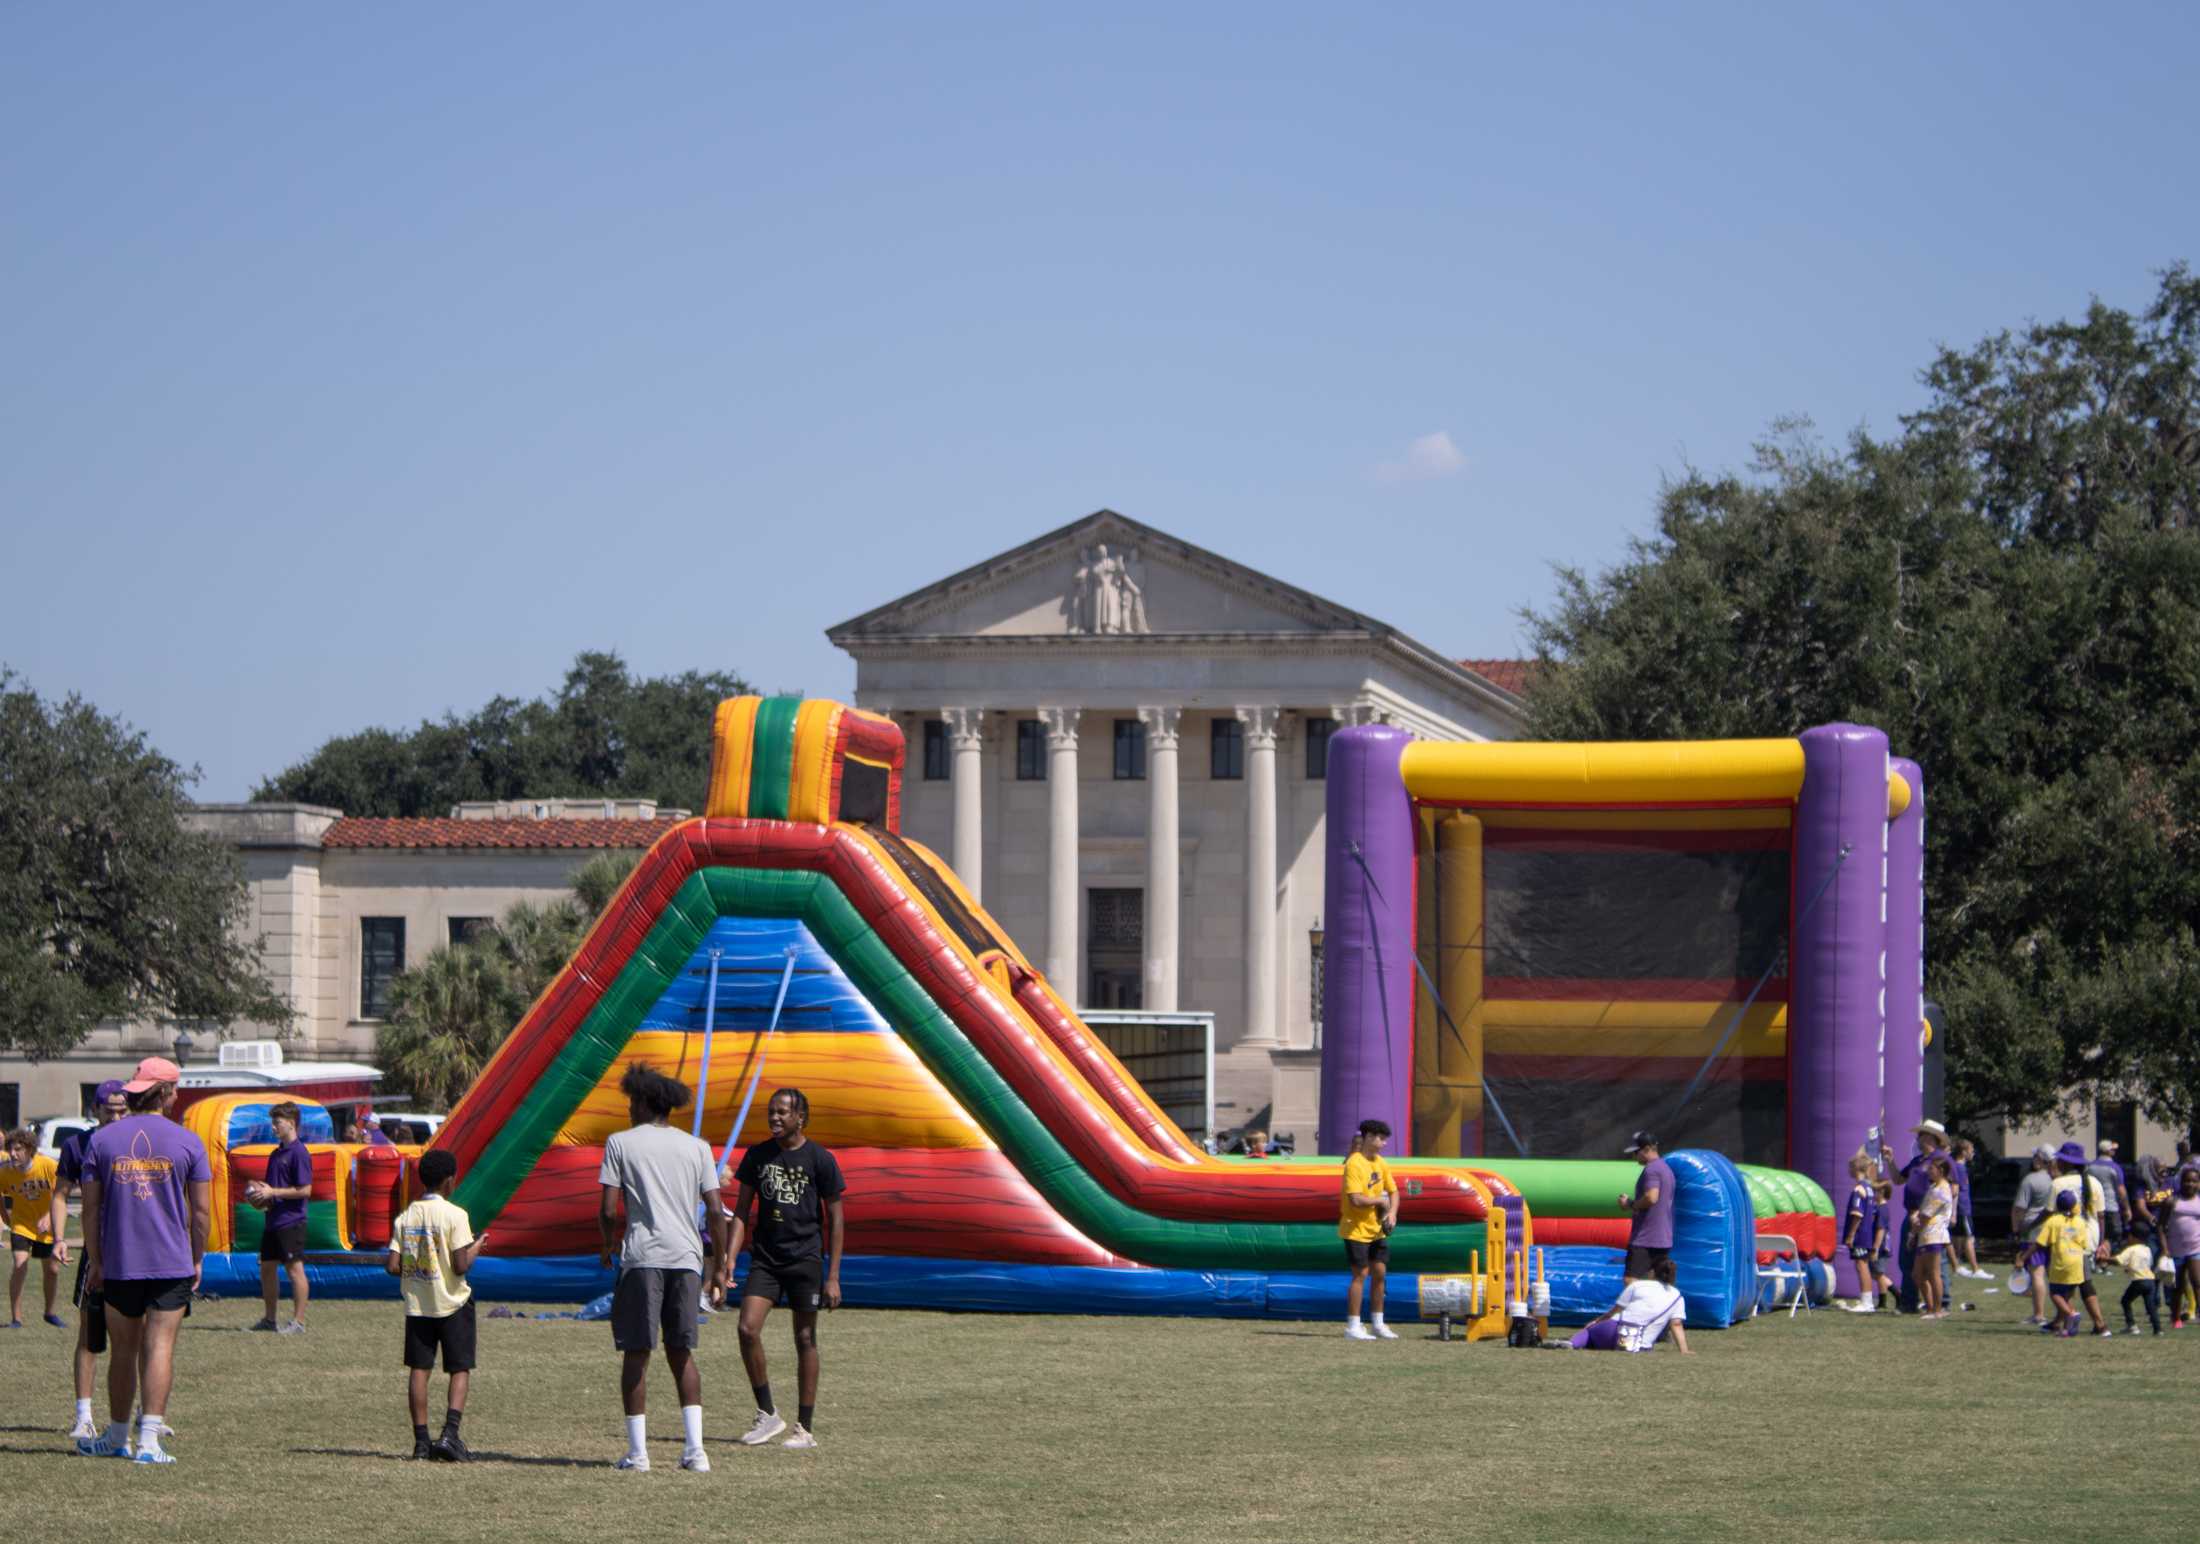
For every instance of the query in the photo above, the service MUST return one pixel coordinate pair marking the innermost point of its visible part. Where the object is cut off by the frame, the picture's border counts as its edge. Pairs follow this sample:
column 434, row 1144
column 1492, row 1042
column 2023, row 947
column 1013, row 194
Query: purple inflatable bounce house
column 1854, row 945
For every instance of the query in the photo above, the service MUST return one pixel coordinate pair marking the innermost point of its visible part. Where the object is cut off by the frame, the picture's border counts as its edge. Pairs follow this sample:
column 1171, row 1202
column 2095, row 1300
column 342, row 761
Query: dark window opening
column 1226, row 750
column 1130, row 750
column 465, row 930
column 935, row 750
column 1031, row 751
column 1115, row 946
column 1318, row 731
column 381, row 957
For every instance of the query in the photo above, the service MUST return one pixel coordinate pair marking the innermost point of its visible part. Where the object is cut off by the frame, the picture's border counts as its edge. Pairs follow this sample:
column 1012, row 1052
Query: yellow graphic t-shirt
column 2067, row 1244
column 1358, row 1224
column 427, row 1234
column 29, row 1191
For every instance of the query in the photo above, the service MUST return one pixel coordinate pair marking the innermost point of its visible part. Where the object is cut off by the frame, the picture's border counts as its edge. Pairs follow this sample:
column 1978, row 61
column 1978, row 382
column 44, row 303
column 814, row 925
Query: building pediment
column 1105, row 576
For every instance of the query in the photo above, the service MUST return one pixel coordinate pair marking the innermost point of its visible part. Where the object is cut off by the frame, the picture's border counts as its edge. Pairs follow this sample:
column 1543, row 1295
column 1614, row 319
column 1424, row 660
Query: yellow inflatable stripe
column 733, row 733
column 1625, row 772
column 1637, row 820
column 869, row 1090
column 810, row 794
column 1576, row 1029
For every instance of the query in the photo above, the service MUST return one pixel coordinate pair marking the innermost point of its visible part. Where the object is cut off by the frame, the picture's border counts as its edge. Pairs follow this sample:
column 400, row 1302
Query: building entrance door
column 1115, row 946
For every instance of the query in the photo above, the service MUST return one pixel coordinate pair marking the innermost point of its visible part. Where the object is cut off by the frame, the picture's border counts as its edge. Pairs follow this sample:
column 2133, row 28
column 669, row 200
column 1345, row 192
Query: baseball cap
column 1639, row 1141
column 111, row 1089
column 2044, row 1150
column 151, row 1073
column 2066, row 1200
column 2108, row 1146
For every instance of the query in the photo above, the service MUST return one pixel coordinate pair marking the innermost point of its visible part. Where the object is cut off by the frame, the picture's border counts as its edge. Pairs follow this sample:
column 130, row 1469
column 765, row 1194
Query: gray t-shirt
column 2033, row 1194
column 662, row 1173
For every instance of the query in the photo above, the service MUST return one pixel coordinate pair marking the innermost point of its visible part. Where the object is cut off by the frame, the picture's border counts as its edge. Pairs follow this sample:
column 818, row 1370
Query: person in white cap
column 148, row 1201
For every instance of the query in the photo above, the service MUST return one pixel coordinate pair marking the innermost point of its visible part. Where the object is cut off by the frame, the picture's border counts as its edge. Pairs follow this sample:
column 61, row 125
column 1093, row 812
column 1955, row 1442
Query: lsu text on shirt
column 426, row 1235
column 1358, row 1224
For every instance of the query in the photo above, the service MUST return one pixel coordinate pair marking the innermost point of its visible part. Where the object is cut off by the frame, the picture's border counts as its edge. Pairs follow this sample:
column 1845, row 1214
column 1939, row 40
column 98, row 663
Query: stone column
column 1163, row 853
column 1262, row 1021
column 966, row 745
column 1062, row 879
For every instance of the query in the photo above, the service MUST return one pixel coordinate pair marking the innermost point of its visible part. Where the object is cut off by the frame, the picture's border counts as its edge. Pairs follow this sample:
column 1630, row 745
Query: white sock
column 637, row 1436
column 1865, row 1300
column 1351, row 1321
column 149, row 1433
column 1379, row 1321
column 691, row 1427
column 83, row 1409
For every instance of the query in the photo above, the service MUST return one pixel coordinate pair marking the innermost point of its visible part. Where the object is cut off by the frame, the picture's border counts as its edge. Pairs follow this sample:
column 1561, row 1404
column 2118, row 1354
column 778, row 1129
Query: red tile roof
column 1506, row 674
column 365, row 831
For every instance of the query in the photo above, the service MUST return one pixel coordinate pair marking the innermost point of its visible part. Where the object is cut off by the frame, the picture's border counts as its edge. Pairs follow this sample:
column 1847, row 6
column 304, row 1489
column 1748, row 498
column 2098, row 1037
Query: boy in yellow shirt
column 26, row 1179
column 432, row 1246
column 1366, row 1212
column 2069, row 1244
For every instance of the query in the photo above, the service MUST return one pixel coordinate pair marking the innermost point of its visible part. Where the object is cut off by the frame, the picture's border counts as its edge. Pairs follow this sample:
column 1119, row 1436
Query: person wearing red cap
column 109, row 1104
column 148, row 1201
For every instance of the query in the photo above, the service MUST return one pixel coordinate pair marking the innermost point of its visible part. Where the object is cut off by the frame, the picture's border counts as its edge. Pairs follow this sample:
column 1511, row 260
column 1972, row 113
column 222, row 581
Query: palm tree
column 447, row 1015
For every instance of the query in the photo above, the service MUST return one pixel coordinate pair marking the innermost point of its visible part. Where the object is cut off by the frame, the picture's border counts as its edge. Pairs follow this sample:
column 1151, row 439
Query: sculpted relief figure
column 1104, row 597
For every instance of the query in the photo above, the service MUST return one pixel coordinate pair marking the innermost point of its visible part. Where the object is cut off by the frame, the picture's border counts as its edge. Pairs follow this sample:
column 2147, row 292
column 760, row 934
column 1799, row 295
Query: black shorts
column 650, row 1299
column 453, row 1334
column 1361, row 1252
column 38, row 1248
column 162, row 1294
column 283, row 1244
column 2083, row 1289
column 801, row 1286
column 1859, row 1254
column 93, row 1306
column 1642, row 1259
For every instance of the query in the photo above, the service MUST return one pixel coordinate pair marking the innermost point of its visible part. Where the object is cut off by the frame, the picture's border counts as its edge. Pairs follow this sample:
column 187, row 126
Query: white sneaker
column 153, row 1455
column 634, row 1463
column 768, row 1425
column 1384, row 1332
column 697, row 1462
column 1358, row 1332
column 84, row 1430
column 801, row 1438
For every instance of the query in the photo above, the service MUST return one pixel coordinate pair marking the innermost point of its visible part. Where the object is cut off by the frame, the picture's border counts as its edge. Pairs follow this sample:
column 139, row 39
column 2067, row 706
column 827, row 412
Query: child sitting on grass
column 2068, row 1243
column 432, row 1247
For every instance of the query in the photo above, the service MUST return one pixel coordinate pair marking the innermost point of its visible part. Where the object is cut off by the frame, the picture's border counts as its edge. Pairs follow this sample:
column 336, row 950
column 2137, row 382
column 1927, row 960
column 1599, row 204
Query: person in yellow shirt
column 1366, row 1212
column 26, row 1180
column 2069, row 1245
column 432, row 1247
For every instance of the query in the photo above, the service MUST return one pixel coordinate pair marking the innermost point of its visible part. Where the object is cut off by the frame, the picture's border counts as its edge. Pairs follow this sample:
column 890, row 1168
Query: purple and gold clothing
column 1860, row 1219
column 145, row 1166
column 288, row 1167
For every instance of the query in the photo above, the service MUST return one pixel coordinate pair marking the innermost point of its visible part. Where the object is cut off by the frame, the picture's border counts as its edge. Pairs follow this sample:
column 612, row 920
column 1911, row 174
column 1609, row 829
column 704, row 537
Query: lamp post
column 183, row 1045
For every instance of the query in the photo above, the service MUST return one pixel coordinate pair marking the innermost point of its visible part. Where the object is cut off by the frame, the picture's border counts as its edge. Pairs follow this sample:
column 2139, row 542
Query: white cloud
column 1426, row 459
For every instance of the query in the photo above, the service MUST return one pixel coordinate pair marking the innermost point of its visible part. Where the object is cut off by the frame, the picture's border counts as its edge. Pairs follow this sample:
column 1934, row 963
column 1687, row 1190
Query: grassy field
column 938, row 1426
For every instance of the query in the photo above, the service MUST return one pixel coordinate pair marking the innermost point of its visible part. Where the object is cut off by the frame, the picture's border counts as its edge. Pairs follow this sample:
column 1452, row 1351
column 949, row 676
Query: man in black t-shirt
column 795, row 1186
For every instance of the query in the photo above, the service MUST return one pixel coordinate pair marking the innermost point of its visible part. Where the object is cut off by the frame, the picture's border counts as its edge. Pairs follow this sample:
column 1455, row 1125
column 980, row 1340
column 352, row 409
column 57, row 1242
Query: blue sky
column 364, row 362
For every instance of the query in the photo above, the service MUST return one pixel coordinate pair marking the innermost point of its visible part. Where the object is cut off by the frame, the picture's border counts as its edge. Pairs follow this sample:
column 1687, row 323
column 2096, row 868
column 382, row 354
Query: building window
column 381, row 957
column 2117, row 1120
column 1115, row 947
column 1031, row 751
column 464, row 930
column 1318, row 731
column 1226, row 750
column 1130, row 750
column 1314, row 981
column 935, row 750
column 11, row 1108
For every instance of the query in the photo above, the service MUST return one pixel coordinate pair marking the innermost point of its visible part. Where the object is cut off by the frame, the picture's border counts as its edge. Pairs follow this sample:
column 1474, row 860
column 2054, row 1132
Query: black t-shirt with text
column 791, row 1191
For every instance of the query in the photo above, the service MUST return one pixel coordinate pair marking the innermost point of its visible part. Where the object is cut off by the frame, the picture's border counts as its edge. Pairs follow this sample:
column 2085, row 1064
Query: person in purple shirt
column 1650, row 1237
column 148, row 1200
column 109, row 1103
column 1965, row 1235
column 1917, row 1182
column 283, row 1196
column 1864, row 1235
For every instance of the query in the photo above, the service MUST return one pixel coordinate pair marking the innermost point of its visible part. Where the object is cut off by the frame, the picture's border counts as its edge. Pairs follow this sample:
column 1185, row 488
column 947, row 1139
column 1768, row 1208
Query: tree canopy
column 113, row 907
column 2010, row 587
column 601, row 734
column 449, row 1013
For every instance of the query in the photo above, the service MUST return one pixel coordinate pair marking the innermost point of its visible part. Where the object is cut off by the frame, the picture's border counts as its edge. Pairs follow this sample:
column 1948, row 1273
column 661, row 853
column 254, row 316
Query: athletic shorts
column 1642, row 1259
column 37, row 1248
column 1961, row 1227
column 1362, row 1252
column 2083, row 1287
column 285, row 1245
column 801, row 1286
column 93, row 1305
column 162, row 1294
column 453, row 1335
column 2185, row 1259
column 1932, row 1249
column 1861, row 1255
column 649, row 1300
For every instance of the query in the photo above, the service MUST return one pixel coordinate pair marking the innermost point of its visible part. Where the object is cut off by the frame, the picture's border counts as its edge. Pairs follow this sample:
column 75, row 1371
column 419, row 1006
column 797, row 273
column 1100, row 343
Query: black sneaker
column 450, row 1449
column 422, row 1448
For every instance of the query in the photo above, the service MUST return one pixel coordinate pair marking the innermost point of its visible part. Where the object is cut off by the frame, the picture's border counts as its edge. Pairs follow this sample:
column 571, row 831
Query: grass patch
column 943, row 1426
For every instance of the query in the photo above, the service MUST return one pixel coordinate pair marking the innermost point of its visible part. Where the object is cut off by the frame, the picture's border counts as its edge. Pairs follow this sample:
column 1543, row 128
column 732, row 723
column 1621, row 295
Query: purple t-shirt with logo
column 1653, row 1229
column 288, row 1167
column 145, row 1166
column 1864, row 1208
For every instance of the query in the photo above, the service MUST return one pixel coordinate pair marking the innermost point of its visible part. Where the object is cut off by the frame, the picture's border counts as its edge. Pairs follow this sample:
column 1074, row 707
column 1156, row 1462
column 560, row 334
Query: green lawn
column 939, row 1426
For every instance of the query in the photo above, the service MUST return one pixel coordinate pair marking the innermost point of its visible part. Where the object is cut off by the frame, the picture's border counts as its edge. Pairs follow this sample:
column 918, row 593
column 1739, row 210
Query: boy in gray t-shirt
column 2035, row 1194
column 658, row 1175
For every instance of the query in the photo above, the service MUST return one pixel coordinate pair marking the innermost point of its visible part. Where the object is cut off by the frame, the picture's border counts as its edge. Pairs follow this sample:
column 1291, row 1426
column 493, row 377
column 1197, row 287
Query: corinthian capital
column 1061, row 727
column 965, row 726
column 1161, row 727
column 1260, row 726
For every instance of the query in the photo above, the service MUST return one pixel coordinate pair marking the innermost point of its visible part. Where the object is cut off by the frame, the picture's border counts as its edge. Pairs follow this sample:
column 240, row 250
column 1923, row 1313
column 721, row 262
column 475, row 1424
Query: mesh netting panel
column 1587, row 975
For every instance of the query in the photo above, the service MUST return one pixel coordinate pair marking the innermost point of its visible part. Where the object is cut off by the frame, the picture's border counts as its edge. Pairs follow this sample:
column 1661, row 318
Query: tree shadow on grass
column 480, row 1457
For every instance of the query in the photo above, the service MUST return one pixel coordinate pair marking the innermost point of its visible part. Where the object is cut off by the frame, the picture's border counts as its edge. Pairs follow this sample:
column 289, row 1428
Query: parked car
column 1994, row 1191
column 54, row 1127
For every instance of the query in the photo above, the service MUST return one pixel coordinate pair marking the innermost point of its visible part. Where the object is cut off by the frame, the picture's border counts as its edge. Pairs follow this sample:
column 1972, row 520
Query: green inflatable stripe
column 870, row 963
column 248, row 1225
column 771, row 762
